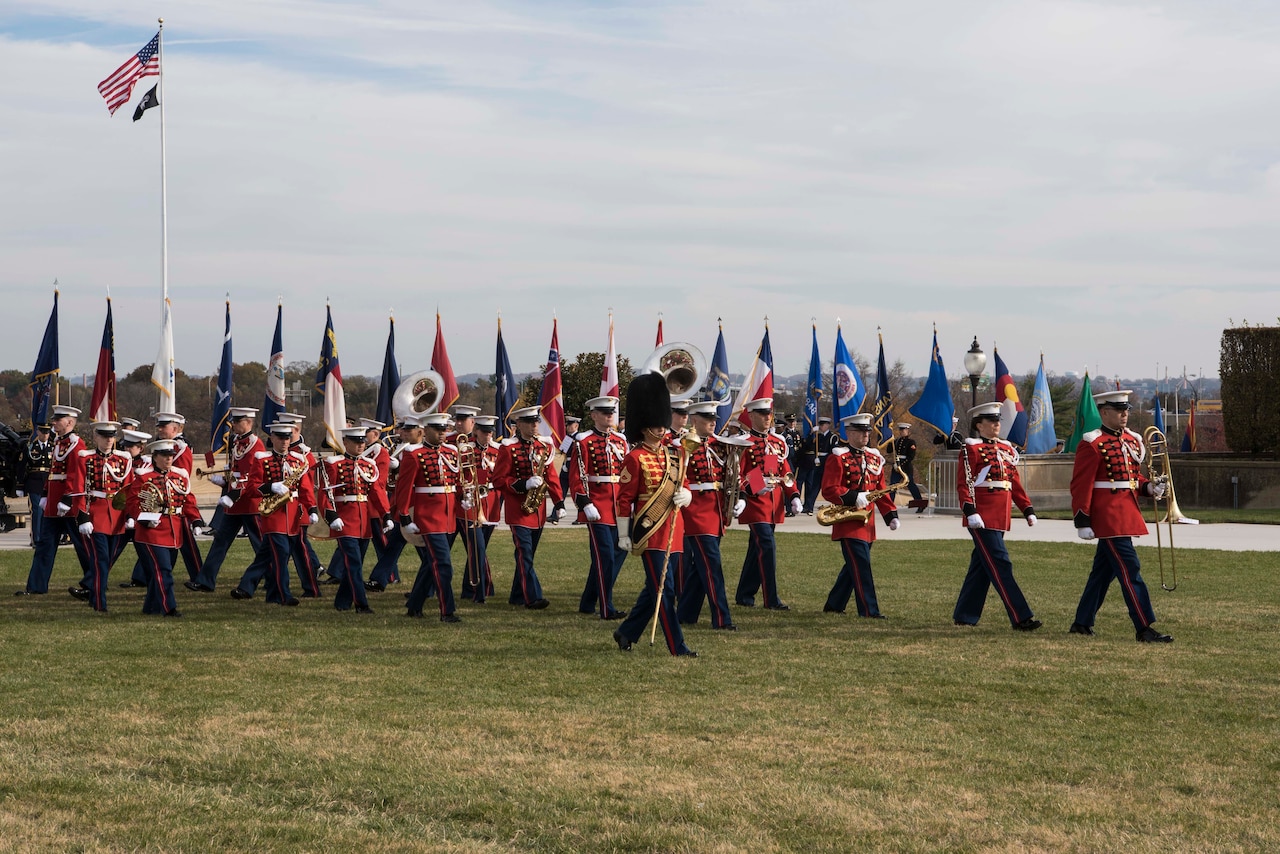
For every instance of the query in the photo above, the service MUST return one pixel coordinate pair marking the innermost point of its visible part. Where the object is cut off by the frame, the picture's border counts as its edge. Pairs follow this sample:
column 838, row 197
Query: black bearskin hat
column 648, row 405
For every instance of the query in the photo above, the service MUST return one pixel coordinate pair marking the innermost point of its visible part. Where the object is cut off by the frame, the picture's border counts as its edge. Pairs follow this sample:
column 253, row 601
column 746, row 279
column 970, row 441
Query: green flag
column 1087, row 417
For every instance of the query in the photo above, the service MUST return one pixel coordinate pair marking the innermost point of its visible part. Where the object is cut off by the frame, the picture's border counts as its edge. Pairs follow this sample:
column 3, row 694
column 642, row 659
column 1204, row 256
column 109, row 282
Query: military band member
column 572, row 427
column 354, row 504
column 375, row 448
column 239, row 505
column 524, row 465
column 278, row 472
column 595, row 463
column 160, row 499
column 679, row 419
column 652, row 494
column 387, row 571
column 852, row 471
column 427, row 503
column 704, row 521
column 768, row 487
column 169, row 425
column 55, row 504
column 133, row 442
column 491, row 504
column 904, row 447
column 471, row 484
column 93, row 479
column 988, row 485
column 1106, row 481
column 37, row 456
column 305, row 560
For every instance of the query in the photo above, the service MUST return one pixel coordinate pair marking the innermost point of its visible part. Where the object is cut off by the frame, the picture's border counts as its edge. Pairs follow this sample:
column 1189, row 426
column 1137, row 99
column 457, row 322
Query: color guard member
column 353, row 503
column 1106, row 481
column 55, row 504
column 595, row 462
column 239, row 505
column 37, row 457
column 160, row 500
column 524, row 465
column 426, row 502
column 904, row 448
column 768, row 487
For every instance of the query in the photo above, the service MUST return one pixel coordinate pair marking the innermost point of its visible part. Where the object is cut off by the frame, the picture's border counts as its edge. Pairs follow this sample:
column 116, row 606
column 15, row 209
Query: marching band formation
column 665, row 491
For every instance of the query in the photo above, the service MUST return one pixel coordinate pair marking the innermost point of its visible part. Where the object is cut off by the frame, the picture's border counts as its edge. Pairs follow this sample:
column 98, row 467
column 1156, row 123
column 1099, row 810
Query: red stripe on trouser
column 347, row 575
column 764, row 587
column 659, row 586
column 165, row 605
column 189, row 544
column 717, row 618
column 520, row 568
column 435, row 573
column 994, row 573
column 99, row 577
column 1127, row 582
column 855, row 571
column 600, row 570
column 279, row 566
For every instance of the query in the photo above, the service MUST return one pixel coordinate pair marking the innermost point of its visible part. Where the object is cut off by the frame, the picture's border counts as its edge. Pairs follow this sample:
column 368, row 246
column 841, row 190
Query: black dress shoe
column 1150, row 635
column 26, row 593
column 745, row 603
column 131, row 583
column 686, row 653
column 316, row 595
column 827, row 609
column 237, row 593
column 81, row 593
column 623, row 643
column 332, row 580
column 614, row 615
column 196, row 587
column 363, row 609
column 729, row 628
column 374, row 587
column 1030, row 624
column 1080, row 629
column 450, row 618
column 779, row 607
column 174, row 613
column 414, row 614
column 292, row 602
column 965, row 625
column 876, row 617
column 537, row 604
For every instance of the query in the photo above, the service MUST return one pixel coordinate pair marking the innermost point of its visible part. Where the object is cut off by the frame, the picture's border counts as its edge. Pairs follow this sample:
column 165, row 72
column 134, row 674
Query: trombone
column 1161, row 472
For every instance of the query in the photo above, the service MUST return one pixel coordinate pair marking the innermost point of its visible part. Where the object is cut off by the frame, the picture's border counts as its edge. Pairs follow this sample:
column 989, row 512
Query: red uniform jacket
column 313, row 475
column 515, row 465
column 595, row 461
column 704, row 515
column 56, row 486
column 642, row 471
column 992, row 467
column 354, row 495
column 184, row 460
column 492, row 496
column 768, row 454
column 470, row 471
column 1106, row 481
column 270, row 467
column 177, row 501
column 93, row 479
column 427, row 488
column 382, row 459
column 242, row 453
column 847, row 472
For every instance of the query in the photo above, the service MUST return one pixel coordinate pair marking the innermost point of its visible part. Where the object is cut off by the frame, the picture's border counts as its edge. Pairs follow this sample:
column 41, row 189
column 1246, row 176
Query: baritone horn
column 417, row 394
column 1160, row 472
column 683, row 367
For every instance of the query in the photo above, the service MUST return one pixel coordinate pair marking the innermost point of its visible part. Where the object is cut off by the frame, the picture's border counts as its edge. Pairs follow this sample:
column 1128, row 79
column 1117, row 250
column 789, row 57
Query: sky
column 1099, row 182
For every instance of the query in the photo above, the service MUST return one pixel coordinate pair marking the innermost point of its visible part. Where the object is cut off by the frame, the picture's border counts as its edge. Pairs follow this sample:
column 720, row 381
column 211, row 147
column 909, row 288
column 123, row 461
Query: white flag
column 609, row 376
column 162, row 372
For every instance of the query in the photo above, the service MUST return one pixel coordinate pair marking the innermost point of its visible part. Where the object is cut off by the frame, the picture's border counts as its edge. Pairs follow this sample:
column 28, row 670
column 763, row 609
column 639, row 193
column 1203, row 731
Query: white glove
column 388, row 526
column 217, row 480
column 894, row 524
column 336, row 525
column 796, row 505
column 975, row 521
column 557, row 513
column 313, row 517
column 395, row 464
column 63, row 509
column 624, row 543
column 128, row 524
column 1159, row 489
column 413, row 528
column 279, row 488
column 1085, row 533
column 226, row 501
column 592, row 514
column 1031, row 520
column 86, row 528
column 43, row 502
column 861, row 501
column 18, row 493
column 739, row 507
column 467, row 503
column 533, row 482
column 683, row 497
column 153, row 524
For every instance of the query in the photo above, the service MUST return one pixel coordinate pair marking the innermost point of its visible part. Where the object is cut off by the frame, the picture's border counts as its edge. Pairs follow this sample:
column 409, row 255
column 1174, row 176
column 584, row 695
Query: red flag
column 658, row 341
column 609, row 376
column 1189, row 437
column 551, row 398
column 103, row 405
column 440, row 364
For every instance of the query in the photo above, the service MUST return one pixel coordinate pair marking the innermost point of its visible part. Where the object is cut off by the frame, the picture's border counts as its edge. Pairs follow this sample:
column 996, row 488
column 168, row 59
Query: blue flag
column 934, row 406
column 46, row 370
column 390, row 381
column 505, row 397
column 814, row 386
column 718, row 383
column 882, row 410
column 273, row 403
column 1041, row 438
column 847, row 391
column 1158, row 420
column 220, row 424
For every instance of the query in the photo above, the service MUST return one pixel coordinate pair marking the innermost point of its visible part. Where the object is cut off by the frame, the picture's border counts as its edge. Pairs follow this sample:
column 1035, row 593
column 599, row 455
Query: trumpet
column 1160, row 471
column 210, row 472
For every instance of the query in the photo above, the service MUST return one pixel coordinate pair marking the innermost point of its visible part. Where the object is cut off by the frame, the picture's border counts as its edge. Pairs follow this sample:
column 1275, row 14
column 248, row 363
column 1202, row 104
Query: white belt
column 97, row 493
column 57, row 477
column 996, row 484
column 1115, row 484
column 344, row 499
column 703, row 487
column 602, row 478
column 432, row 490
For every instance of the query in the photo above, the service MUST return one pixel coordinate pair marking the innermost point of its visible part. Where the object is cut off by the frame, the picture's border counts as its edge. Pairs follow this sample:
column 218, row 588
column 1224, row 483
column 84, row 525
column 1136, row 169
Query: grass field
column 1204, row 515
column 245, row 726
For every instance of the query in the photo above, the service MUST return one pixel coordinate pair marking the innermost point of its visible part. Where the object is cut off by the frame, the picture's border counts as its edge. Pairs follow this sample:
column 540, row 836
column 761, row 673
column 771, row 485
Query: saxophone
column 536, row 498
column 832, row 514
column 292, row 477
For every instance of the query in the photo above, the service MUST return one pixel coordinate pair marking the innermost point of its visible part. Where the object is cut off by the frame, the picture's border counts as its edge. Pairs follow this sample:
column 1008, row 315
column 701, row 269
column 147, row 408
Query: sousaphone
column 417, row 394
column 683, row 367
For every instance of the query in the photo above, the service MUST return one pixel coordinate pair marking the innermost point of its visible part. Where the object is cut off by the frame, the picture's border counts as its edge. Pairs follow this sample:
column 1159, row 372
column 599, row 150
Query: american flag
column 117, row 88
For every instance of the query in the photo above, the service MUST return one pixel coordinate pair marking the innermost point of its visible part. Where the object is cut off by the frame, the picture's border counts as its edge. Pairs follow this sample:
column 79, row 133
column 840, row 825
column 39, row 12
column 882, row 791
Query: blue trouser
column 347, row 565
column 46, row 551
column 436, row 573
column 855, row 579
column 271, row 564
column 226, row 529
column 989, row 565
column 1116, row 558
column 157, row 564
column 703, row 579
column 307, row 564
column 101, row 550
column 641, row 614
column 477, row 580
column 190, row 551
column 37, row 516
column 606, row 563
column 760, row 568
column 525, row 588
column 811, row 483
column 387, row 570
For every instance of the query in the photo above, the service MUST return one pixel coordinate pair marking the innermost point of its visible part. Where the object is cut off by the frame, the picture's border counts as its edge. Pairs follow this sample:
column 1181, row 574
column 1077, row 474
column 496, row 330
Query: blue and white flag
column 1158, row 420
column 718, row 382
column 220, row 423
column 46, row 370
column 329, row 384
column 505, row 396
column 1041, row 438
column 384, row 412
column 273, row 403
column 934, row 406
column 882, row 409
column 813, row 392
column 847, row 391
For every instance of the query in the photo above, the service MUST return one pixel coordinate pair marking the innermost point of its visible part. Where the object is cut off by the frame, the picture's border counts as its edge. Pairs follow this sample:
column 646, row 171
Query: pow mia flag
column 149, row 100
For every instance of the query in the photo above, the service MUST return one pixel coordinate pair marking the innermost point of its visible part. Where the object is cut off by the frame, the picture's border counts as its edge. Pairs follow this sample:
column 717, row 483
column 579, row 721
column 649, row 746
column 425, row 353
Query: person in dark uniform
column 1106, row 481
column 988, row 485
column 813, row 457
column 791, row 435
column 37, row 457
column 904, row 447
column 56, row 504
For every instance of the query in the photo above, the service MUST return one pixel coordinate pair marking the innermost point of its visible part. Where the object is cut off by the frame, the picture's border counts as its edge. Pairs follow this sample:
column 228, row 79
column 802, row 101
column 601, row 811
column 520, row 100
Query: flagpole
column 164, row 183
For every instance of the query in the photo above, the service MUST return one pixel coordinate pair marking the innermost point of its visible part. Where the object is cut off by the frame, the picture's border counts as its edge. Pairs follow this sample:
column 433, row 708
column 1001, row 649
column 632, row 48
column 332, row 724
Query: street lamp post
column 975, row 362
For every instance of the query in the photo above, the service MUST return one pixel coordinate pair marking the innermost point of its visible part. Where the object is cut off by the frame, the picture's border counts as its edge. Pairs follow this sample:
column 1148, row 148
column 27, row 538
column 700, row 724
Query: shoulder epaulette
column 835, row 452
column 182, row 472
column 261, row 455
column 1091, row 436
column 85, row 452
column 972, row 441
column 866, row 450
column 511, row 440
column 334, row 459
